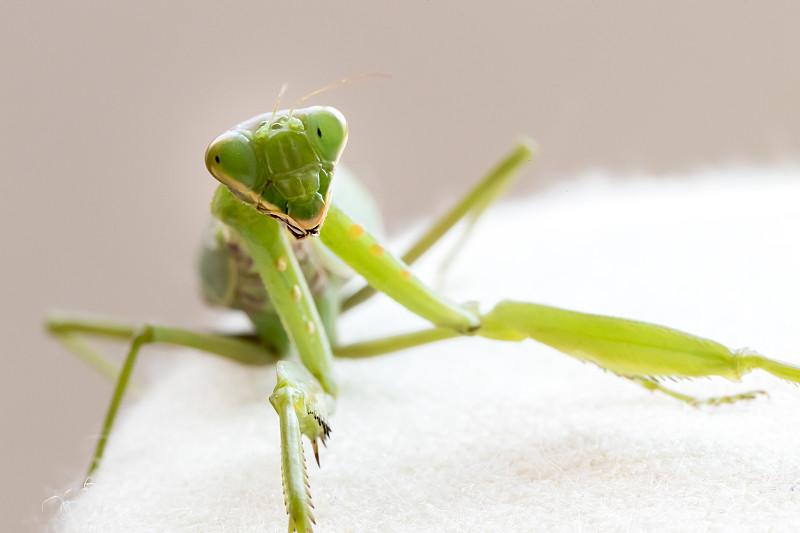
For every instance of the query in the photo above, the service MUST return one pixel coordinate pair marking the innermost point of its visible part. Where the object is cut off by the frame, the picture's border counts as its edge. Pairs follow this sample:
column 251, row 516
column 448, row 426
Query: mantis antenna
column 277, row 102
column 336, row 84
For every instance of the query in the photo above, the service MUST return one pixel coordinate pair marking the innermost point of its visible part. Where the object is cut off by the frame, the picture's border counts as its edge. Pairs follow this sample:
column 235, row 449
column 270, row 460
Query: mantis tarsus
column 281, row 164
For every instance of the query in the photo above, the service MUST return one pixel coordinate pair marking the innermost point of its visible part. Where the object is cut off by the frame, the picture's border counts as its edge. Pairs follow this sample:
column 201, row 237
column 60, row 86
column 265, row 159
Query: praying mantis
column 280, row 252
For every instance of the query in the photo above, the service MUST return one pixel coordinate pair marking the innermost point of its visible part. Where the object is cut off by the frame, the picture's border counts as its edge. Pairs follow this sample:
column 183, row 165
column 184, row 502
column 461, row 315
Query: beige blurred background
column 107, row 109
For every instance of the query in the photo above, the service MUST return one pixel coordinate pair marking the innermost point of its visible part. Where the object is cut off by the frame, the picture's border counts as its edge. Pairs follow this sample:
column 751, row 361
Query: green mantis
column 276, row 170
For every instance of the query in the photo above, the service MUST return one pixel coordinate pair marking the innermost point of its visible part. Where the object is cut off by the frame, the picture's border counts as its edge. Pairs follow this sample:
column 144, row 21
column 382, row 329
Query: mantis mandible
column 278, row 253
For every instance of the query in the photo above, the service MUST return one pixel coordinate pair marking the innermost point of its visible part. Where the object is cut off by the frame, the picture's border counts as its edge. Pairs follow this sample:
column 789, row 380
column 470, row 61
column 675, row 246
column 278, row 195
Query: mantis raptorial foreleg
column 625, row 347
column 391, row 275
column 471, row 206
column 303, row 408
column 304, row 395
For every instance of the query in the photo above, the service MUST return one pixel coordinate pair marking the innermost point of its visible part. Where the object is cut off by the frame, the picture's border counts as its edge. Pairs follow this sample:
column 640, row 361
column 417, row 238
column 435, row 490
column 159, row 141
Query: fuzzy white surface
column 473, row 435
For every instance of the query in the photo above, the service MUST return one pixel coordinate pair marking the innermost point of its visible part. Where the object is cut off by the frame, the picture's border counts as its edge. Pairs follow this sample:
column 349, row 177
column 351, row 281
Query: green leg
column 393, row 343
column 99, row 361
column 471, row 206
column 653, row 385
column 391, row 275
column 243, row 350
column 627, row 347
column 119, row 392
column 70, row 329
column 303, row 408
column 304, row 394
column 70, row 332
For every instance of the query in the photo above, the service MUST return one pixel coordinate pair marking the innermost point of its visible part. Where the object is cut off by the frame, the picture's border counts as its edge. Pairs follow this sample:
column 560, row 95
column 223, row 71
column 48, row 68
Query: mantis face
column 282, row 164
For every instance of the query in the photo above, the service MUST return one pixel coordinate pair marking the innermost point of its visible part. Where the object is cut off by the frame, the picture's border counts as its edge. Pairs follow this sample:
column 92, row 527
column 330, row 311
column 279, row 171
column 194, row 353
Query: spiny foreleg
column 303, row 407
column 303, row 396
column 625, row 347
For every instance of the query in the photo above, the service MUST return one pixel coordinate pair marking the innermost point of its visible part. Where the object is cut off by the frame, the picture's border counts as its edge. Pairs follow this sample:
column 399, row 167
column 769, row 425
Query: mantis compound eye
column 326, row 128
column 232, row 161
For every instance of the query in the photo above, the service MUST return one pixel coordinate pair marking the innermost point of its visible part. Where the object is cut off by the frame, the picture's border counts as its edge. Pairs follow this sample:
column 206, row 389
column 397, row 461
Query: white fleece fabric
column 474, row 435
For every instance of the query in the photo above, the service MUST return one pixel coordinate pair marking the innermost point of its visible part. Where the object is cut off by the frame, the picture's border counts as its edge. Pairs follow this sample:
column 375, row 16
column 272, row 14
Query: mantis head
column 282, row 164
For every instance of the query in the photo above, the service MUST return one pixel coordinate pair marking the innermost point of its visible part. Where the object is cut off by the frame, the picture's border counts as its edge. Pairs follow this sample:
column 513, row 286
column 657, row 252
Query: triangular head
column 282, row 164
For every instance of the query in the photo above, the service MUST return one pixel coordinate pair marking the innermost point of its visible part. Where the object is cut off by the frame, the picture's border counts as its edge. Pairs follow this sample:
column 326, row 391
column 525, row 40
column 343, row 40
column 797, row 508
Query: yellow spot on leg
column 355, row 231
column 296, row 293
column 311, row 328
column 405, row 275
column 376, row 250
column 280, row 264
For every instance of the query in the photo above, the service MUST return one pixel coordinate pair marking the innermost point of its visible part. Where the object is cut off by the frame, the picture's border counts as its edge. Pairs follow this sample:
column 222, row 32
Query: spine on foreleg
column 296, row 488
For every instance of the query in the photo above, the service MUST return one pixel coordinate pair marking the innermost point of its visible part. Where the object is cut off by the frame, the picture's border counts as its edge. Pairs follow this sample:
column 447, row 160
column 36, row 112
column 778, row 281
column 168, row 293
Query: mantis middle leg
column 70, row 329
